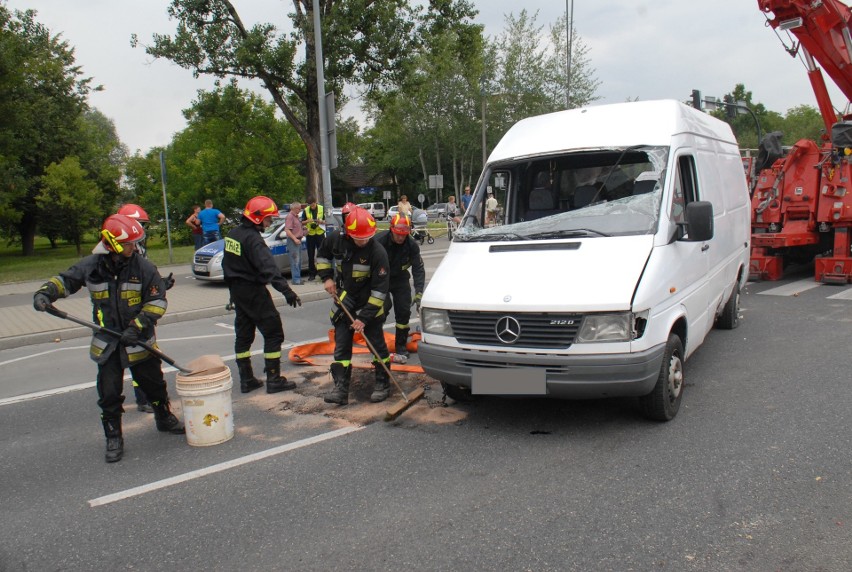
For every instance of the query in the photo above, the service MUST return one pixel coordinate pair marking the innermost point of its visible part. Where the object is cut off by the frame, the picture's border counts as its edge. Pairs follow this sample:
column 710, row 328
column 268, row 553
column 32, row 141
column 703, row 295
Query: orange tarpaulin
column 301, row 354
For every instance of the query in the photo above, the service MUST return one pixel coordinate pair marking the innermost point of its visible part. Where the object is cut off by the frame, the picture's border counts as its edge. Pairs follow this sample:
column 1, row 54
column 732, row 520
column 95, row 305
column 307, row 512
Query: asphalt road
column 753, row 474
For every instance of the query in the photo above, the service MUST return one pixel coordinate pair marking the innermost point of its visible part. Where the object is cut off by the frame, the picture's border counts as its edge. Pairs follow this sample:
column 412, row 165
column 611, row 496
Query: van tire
column 663, row 402
column 729, row 319
column 457, row 392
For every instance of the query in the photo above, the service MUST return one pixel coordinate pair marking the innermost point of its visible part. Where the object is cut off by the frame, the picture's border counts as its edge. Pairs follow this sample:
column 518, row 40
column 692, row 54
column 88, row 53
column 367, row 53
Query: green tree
column 364, row 42
column 232, row 148
column 42, row 95
column 70, row 202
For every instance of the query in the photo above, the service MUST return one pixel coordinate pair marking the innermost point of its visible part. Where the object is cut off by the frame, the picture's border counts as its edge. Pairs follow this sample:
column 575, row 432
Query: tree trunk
column 27, row 228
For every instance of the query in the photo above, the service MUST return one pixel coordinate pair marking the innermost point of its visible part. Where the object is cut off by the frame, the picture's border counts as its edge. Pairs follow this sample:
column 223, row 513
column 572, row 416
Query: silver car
column 207, row 264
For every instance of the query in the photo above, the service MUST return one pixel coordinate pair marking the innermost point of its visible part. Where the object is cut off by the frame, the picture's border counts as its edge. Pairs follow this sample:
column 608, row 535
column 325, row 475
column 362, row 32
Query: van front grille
column 510, row 330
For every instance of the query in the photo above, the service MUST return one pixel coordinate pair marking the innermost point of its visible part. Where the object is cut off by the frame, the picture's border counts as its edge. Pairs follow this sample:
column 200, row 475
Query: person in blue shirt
column 210, row 220
column 466, row 198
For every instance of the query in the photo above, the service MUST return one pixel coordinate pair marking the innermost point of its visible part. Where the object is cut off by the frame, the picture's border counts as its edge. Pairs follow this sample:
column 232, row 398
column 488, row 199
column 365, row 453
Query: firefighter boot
column 114, row 440
column 382, row 388
column 166, row 420
column 248, row 382
column 276, row 382
column 400, row 354
column 341, row 376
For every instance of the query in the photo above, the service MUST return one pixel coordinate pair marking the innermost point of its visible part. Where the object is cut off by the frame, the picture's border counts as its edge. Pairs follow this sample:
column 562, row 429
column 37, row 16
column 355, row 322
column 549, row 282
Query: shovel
column 407, row 400
column 54, row 311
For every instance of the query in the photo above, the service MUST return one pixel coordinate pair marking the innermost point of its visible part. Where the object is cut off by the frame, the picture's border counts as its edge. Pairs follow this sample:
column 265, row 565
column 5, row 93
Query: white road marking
column 226, row 326
column 39, row 354
column 844, row 295
column 792, row 288
column 157, row 485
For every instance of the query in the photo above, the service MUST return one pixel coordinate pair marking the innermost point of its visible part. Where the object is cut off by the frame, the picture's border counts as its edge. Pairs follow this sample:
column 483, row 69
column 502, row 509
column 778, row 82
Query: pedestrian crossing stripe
column 796, row 288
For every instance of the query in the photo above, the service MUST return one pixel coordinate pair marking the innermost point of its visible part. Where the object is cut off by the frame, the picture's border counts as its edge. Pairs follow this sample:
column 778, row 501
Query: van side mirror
column 699, row 221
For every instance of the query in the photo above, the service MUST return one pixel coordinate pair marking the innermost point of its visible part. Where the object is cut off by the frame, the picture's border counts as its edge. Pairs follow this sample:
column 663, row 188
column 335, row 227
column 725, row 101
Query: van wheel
column 730, row 316
column 457, row 392
column 663, row 402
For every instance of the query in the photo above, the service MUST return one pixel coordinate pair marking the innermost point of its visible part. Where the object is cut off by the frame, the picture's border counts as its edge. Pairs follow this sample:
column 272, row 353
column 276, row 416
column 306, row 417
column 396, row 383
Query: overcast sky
column 640, row 49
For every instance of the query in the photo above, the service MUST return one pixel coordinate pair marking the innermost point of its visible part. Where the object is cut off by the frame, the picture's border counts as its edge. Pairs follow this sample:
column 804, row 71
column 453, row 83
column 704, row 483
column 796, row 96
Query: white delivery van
column 601, row 246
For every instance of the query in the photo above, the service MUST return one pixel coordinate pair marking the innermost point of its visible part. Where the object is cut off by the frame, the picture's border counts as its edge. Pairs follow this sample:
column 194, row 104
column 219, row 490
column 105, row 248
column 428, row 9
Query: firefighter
column 314, row 221
column 403, row 253
column 249, row 266
column 339, row 245
column 364, row 277
column 138, row 213
column 128, row 296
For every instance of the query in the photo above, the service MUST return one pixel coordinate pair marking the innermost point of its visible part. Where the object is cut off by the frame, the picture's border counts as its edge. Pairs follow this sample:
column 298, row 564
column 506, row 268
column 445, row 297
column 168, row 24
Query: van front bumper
column 567, row 376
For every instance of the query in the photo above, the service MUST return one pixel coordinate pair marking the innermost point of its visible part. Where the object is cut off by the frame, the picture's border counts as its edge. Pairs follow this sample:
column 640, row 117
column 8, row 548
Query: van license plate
column 201, row 268
column 501, row 381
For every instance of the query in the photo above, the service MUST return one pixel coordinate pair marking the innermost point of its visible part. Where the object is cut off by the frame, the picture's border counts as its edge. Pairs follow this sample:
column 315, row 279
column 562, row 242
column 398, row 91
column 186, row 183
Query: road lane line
column 845, row 295
column 792, row 288
column 171, row 481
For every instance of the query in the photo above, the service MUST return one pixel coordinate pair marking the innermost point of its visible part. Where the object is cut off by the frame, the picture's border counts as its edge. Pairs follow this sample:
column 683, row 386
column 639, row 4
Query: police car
column 207, row 264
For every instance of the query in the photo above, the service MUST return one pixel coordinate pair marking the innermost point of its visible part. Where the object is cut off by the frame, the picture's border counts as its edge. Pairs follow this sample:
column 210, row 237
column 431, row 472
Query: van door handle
column 705, row 248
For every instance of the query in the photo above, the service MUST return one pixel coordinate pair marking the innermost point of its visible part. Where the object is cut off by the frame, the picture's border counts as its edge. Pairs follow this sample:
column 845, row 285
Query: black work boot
column 400, row 354
column 276, row 382
column 166, row 420
column 341, row 376
column 248, row 382
column 382, row 388
column 114, row 440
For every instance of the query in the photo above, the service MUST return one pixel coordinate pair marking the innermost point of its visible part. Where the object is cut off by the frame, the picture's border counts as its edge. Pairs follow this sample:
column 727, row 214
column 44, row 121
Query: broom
column 407, row 400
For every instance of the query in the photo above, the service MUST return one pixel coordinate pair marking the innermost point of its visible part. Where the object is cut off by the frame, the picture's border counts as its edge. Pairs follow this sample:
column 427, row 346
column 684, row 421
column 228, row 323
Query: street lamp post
column 569, row 36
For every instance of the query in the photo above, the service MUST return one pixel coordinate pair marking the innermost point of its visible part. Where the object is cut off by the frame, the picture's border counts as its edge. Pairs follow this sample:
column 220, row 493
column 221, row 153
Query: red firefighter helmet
column 400, row 224
column 134, row 211
column 346, row 209
column 360, row 224
column 260, row 207
column 119, row 230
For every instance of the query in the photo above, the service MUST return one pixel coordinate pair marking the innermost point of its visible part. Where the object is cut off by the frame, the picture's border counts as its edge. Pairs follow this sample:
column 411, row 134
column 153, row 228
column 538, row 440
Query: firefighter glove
column 41, row 301
column 417, row 298
column 292, row 299
column 130, row 335
column 169, row 280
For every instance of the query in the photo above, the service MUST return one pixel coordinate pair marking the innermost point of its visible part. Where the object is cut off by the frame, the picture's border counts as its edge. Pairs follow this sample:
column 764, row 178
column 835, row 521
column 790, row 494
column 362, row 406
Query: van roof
column 607, row 126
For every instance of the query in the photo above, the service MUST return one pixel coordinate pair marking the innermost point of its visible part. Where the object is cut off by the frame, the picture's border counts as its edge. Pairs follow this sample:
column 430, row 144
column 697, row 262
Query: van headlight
column 606, row 328
column 436, row 322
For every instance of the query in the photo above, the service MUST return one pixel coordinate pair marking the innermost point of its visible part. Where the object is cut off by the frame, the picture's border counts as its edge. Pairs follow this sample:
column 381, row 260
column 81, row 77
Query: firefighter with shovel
column 365, row 280
column 128, row 296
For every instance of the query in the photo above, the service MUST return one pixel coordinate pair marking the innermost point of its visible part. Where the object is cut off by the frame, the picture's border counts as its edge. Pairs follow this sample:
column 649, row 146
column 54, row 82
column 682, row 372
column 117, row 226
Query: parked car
column 207, row 263
column 392, row 212
column 375, row 209
column 437, row 211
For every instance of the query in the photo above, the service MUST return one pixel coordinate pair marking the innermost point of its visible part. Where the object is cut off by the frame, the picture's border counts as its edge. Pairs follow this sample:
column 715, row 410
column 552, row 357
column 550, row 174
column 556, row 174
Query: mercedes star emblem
column 508, row 330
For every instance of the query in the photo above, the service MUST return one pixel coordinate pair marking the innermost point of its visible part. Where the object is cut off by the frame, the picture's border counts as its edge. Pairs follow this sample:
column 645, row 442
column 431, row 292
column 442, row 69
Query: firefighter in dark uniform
column 363, row 270
column 136, row 212
column 403, row 254
column 248, row 266
column 128, row 296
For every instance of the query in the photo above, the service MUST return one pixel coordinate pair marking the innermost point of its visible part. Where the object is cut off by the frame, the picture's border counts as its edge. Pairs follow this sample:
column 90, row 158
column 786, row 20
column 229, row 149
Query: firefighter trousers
column 343, row 335
column 254, row 309
column 110, row 384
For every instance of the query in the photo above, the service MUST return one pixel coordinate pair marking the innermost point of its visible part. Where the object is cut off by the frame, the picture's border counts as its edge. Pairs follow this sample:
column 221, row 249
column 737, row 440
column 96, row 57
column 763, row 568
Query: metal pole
column 166, row 205
column 484, row 152
column 569, row 36
column 323, row 119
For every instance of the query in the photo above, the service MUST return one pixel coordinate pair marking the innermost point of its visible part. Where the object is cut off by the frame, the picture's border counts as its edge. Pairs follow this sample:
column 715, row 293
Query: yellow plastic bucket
column 207, row 409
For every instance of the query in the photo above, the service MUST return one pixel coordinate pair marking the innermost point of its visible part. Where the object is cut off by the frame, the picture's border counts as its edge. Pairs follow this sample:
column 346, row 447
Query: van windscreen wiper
column 572, row 233
column 488, row 237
